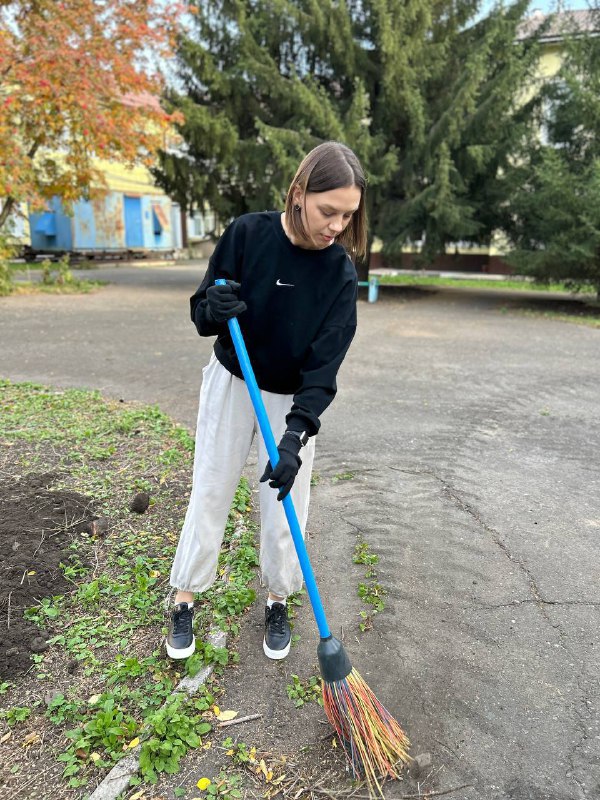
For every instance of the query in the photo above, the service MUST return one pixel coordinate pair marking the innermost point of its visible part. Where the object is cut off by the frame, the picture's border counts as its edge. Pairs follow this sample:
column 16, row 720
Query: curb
column 117, row 779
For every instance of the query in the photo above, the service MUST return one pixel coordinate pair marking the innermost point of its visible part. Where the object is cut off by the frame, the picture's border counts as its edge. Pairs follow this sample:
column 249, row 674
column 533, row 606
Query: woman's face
column 326, row 214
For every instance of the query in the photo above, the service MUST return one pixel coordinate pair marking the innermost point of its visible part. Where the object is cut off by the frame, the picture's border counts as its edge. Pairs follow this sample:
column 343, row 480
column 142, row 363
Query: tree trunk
column 184, row 230
column 7, row 209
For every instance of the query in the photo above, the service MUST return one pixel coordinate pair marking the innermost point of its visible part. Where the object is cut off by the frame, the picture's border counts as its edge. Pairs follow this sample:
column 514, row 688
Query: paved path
column 472, row 434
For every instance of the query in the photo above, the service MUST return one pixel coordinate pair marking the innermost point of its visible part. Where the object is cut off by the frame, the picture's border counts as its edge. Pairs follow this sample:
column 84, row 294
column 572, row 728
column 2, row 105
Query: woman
column 292, row 284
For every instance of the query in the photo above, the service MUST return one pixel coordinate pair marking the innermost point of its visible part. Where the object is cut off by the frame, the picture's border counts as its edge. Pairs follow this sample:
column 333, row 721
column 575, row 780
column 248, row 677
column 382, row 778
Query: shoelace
column 277, row 617
column 182, row 621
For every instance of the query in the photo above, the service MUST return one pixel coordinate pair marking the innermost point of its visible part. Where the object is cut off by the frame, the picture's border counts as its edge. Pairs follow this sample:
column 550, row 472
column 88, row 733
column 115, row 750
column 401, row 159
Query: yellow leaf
column 225, row 716
column 134, row 742
column 31, row 572
column 6, row 737
column 269, row 775
column 263, row 767
column 31, row 738
column 94, row 699
column 138, row 795
column 216, row 710
column 229, row 753
column 207, row 746
column 94, row 757
column 203, row 784
column 334, row 743
column 252, row 751
column 154, row 573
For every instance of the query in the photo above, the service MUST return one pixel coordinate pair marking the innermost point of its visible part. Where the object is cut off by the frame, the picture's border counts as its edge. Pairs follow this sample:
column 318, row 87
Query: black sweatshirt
column 301, row 314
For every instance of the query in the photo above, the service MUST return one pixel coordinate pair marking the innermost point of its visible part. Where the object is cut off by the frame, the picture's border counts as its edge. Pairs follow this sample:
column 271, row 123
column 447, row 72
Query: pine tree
column 424, row 99
column 553, row 218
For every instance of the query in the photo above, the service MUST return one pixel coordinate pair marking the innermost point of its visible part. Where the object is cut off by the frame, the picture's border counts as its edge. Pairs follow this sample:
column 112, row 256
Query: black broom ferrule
column 335, row 664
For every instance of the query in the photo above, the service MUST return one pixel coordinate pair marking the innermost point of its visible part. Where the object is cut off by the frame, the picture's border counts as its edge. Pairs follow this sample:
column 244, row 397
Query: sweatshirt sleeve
column 225, row 262
column 325, row 356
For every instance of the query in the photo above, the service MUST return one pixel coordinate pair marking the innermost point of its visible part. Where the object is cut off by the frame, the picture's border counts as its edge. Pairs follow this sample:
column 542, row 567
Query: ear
column 298, row 196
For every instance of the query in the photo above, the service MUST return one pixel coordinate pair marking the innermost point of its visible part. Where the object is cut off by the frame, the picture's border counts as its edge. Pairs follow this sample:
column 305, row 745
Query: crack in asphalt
column 539, row 601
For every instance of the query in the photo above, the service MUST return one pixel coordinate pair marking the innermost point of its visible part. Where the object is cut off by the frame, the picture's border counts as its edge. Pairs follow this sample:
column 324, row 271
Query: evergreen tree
column 424, row 98
column 553, row 218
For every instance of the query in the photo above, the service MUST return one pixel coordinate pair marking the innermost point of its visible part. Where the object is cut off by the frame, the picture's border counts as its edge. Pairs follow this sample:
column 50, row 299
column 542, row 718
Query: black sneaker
column 278, row 635
column 180, row 639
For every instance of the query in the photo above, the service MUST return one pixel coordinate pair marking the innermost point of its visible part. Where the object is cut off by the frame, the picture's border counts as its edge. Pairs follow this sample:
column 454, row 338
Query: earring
column 297, row 207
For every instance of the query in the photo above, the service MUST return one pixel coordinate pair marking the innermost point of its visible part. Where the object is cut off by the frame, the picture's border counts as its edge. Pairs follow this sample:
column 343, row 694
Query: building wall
column 101, row 225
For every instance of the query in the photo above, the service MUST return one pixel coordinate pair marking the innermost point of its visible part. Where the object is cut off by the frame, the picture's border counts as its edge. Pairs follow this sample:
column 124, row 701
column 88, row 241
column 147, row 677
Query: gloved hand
column 284, row 474
column 223, row 301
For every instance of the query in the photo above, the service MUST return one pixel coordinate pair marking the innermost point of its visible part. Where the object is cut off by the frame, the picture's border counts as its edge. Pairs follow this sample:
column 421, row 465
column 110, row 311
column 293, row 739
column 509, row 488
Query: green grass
column 112, row 622
column 56, row 278
column 523, row 285
column 74, row 287
column 579, row 319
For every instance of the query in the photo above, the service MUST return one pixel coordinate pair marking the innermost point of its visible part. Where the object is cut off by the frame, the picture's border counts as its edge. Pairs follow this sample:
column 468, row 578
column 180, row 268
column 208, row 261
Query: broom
column 373, row 741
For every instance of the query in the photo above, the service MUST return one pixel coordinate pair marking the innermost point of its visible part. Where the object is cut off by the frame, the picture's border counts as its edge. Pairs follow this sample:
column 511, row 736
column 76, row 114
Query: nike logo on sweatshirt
column 279, row 283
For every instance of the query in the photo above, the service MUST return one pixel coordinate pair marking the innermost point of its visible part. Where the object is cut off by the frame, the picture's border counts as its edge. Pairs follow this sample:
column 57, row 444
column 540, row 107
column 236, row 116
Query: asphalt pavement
column 463, row 447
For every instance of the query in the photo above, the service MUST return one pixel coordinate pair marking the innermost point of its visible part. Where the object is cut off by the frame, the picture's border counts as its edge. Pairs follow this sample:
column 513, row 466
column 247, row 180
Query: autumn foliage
column 78, row 81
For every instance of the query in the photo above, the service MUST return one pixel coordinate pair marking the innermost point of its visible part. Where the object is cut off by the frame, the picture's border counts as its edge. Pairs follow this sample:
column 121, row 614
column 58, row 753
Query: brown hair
column 330, row 165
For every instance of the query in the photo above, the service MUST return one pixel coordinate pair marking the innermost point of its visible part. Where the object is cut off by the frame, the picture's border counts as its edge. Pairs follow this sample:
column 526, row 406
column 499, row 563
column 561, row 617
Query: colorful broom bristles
column 374, row 742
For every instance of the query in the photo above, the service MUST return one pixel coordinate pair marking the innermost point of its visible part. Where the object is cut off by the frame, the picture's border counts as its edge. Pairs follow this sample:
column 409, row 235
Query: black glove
column 223, row 301
column 284, row 474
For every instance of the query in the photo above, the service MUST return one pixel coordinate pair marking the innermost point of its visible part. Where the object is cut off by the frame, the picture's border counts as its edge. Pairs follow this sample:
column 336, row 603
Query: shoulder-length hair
column 330, row 165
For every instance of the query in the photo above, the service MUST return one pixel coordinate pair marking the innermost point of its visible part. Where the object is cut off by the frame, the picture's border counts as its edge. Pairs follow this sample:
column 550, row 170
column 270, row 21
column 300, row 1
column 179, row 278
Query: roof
column 561, row 24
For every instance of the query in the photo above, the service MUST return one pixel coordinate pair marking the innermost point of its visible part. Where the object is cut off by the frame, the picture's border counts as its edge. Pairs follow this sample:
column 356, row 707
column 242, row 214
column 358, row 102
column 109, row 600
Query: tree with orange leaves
column 78, row 81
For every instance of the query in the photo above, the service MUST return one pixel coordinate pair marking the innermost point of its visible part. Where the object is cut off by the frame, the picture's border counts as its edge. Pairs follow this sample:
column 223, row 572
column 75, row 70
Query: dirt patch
column 37, row 526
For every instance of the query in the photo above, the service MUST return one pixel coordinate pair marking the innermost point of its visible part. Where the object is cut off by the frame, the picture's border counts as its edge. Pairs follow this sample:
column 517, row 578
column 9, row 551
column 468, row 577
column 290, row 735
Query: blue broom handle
column 288, row 505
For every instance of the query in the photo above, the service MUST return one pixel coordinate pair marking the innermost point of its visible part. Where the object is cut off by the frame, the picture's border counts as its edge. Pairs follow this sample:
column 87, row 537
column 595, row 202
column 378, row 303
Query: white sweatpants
column 224, row 434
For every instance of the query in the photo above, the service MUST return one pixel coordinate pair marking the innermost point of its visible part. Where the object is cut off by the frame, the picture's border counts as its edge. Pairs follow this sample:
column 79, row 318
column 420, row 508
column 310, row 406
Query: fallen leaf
column 31, row 572
column 138, row 795
column 229, row 753
column 203, row 784
column 6, row 737
column 207, row 746
column 31, row 738
column 94, row 757
column 134, row 742
column 263, row 767
column 154, row 573
column 216, row 710
column 334, row 743
column 94, row 699
column 225, row 716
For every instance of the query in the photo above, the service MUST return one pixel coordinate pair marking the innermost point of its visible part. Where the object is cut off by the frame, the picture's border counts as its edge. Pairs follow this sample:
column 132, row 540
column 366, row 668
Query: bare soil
column 37, row 526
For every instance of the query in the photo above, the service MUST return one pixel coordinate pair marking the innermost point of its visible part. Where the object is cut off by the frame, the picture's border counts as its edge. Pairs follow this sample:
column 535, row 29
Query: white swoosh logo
column 279, row 283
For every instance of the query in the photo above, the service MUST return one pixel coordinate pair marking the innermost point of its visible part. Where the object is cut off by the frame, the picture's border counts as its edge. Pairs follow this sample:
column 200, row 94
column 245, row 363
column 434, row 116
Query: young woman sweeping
column 292, row 285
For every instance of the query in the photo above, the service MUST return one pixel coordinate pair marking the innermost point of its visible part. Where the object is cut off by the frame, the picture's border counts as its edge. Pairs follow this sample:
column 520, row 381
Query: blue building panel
column 112, row 223
column 84, row 226
column 158, row 234
column 51, row 229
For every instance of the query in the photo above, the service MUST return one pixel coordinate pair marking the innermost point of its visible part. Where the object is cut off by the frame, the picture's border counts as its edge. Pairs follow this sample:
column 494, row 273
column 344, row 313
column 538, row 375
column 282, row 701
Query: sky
column 550, row 5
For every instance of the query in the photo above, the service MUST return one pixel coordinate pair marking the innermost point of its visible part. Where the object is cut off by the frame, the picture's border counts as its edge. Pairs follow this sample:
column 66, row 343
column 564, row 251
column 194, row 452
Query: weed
column 373, row 594
column 226, row 786
column 305, row 692
column 362, row 555
column 173, row 730
column 343, row 476
column 15, row 715
column 315, row 479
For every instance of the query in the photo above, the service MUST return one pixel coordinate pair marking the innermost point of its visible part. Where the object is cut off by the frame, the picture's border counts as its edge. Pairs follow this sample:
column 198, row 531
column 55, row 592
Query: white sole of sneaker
column 184, row 652
column 276, row 655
